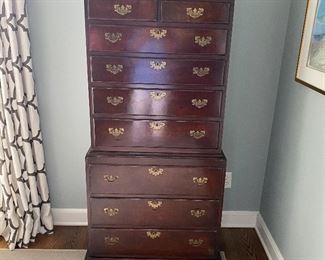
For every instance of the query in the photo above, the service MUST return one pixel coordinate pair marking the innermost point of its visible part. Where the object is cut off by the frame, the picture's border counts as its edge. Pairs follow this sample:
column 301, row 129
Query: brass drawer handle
column 158, row 33
column 157, row 95
column 199, row 103
column 113, row 37
column 112, row 241
column 201, row 72
column 195, row 242
column 111, row 212
column 116, row 132
column 198, row 213
column 154, row 204
column 114, row 69
column 114, row 101
column 110, row 178
column 197, row 134
column 155, row 171
column 203, row 41
column 157, row 125
column 158, row 65
column 153, row 235
column 194, row 12
column 200, row 180
column 123, row 9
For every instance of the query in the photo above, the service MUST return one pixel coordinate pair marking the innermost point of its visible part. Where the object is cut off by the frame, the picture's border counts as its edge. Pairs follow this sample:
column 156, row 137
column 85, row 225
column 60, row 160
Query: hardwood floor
column 239, row 243
column 242, row 244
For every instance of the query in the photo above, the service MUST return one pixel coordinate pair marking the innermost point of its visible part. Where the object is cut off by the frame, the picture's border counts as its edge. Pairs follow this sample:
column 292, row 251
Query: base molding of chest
column 105, row 258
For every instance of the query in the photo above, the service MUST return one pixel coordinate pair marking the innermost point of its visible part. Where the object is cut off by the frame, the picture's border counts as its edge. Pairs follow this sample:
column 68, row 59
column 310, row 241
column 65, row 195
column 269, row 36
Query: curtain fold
column 25, row 208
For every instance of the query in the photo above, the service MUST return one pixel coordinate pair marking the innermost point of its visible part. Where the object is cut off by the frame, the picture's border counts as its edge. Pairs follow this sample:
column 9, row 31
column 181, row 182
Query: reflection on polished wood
column 137, row 70
column 145, row 133
column 158, row 40
column 166, row 180
column 193, row 103
column 144, row 213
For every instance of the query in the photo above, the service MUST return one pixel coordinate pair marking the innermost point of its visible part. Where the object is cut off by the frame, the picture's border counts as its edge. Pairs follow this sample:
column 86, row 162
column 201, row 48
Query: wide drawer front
column 155, row 180
column 152, row 243
column 157, row 40
column 143, row 10
column 195, row 11
column 157, row 102
column 155, row 213
column 160, row 134
column 159, row 71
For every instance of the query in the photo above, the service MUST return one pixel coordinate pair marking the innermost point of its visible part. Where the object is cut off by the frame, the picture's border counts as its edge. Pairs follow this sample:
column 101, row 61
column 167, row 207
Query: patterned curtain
column 25, row 208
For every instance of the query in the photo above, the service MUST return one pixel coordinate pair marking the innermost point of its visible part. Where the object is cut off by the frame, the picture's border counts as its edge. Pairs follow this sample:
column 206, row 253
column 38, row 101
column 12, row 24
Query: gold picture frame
column 311, row 62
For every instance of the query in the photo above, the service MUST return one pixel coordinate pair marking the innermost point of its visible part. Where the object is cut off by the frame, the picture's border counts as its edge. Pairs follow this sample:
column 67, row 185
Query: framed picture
column 311, row 62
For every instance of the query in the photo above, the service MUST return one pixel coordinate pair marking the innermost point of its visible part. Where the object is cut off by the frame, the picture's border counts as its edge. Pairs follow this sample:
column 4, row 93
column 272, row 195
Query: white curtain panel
column 25, row 208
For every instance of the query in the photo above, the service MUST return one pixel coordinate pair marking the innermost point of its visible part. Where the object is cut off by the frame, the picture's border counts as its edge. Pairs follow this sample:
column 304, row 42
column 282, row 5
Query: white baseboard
column 272, row 250
column 70, row 217
column 239, row 219
column 230, row 219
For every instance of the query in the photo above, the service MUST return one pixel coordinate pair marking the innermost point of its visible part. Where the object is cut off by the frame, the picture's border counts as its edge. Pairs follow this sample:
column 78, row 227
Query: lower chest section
column 154, row 206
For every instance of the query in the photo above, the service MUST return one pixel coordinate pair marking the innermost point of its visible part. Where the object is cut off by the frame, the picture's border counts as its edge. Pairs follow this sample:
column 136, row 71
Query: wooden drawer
column 152, row 133
column 154, row 213
column 195, row 11
column 156, row 180
column 115, row 38
column 123, row 10
column 158, row 71
column 152, row 243
column 157, row 102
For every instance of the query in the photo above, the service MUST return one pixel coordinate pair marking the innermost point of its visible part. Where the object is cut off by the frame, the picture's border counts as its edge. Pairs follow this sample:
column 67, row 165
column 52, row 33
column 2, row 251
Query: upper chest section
column 165, row 11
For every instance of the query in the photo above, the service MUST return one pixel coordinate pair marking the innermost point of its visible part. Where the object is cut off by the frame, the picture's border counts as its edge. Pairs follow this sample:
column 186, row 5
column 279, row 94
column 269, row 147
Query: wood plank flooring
column 239, row 243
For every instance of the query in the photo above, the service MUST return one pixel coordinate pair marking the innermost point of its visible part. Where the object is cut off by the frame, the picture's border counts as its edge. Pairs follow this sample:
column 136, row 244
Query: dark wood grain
column 243, row 244
column 138, row 180
column 140, row 70
column 176, row 11
column 238, row 243
column 142, row 133
column 154, row 213
column 62, row 238
column 161, row 102
column 137, row 243
column 103, row 9
column 156, row 39
column 161, row 46
column 151, row 158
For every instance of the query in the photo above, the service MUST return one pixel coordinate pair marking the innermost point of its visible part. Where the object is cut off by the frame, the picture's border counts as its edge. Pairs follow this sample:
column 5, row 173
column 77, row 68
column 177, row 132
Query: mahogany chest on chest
column 157, row 73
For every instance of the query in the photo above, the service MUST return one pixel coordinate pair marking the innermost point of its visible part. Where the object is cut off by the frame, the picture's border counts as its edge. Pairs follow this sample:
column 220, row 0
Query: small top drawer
column 195, row 11
column 142, row 10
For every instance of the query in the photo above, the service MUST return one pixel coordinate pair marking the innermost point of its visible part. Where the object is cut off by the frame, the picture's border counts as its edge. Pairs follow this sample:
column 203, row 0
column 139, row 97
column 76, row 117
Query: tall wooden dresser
column 157, row 74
